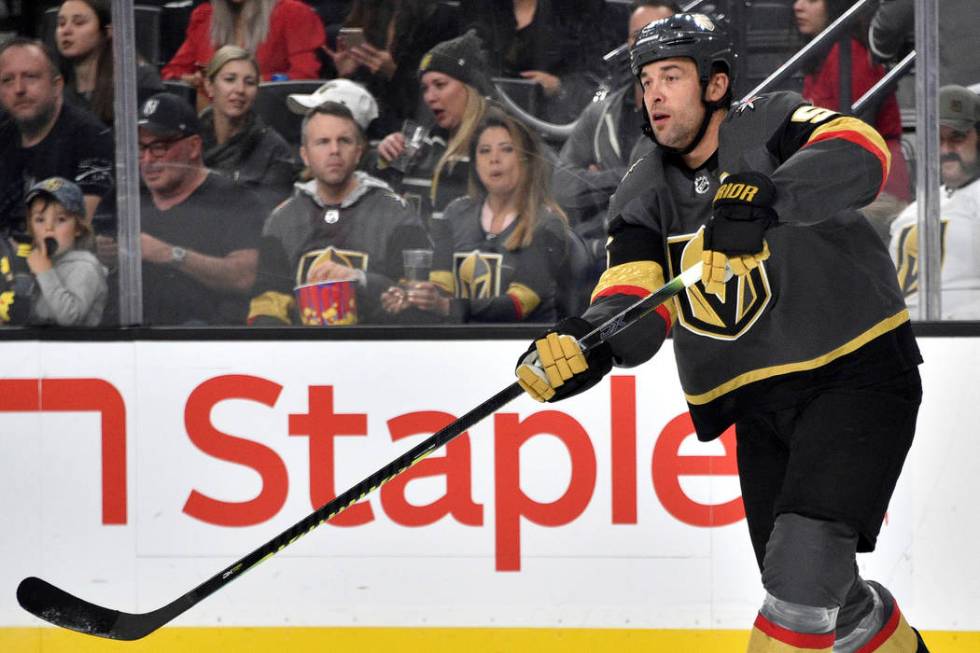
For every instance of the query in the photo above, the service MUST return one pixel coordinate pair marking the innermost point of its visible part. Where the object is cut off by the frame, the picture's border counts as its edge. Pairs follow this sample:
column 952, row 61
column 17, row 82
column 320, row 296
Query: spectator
column 352, row 95
column 45, row 137
column 71, row 285
column 341, row 225
column 892, row 35
column 84, row 41
column 236, row 141
column 454, row 88
column 396, row 35
column 600, row 148
column 200, row 232
column 500, row 250
column 553, row 44
column 284, row 35
column 823, row 87
column 959, row 213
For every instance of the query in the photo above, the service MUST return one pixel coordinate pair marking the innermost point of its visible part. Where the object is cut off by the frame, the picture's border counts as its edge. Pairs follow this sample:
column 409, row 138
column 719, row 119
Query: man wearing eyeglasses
column 44, row 137
column 200, row 232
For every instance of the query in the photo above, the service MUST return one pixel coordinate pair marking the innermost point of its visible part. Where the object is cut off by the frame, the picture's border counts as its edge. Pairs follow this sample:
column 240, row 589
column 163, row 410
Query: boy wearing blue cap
column 71, row 285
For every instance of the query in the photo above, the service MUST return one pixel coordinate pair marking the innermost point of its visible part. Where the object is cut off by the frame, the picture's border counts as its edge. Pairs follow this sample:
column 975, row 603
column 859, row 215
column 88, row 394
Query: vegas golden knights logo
column 907, row 259
column 477, row 274
column 705, row 313
column 310, row 260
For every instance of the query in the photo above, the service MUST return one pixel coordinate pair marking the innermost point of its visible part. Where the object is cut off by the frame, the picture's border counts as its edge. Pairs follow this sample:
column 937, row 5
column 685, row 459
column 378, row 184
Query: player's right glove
column 555, row 367
column 733, row 237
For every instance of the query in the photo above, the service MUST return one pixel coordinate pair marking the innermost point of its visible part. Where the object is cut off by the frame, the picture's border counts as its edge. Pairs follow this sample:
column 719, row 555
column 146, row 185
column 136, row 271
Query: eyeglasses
column 158, row 148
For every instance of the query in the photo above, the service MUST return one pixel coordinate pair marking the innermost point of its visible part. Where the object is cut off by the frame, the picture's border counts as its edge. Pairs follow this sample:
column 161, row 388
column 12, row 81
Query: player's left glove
column 733, row 237
column 555, row 367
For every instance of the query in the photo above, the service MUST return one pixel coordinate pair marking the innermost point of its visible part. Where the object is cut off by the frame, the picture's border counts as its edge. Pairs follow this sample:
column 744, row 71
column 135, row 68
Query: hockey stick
column 60, row 608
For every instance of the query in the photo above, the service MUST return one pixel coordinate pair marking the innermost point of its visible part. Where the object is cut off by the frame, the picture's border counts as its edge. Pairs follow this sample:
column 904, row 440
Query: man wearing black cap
column 200, row 232
column 45, row 137
column 959, row 213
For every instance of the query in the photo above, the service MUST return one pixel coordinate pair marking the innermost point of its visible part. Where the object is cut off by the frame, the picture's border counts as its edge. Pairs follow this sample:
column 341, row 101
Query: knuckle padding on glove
column 568, row 370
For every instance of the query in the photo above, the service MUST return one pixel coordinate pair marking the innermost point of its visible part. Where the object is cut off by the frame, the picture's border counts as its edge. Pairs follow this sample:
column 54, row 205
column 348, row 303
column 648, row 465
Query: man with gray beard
column 43, row 137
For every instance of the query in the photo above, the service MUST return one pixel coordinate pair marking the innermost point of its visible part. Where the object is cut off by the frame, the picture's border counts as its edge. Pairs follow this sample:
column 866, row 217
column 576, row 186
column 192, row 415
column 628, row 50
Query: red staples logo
column 322, row 422
column 81, row 395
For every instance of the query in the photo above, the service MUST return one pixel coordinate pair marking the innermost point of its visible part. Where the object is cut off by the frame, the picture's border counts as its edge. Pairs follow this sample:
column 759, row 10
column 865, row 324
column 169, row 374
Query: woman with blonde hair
column 284, row 36
column 500, row 250
column 454, row 88
column 236, row 141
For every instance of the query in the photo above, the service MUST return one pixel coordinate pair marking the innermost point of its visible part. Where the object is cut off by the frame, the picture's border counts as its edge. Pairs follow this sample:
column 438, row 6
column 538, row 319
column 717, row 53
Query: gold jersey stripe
column 271, row 304
column 444, row 279
column 647, row 275
column 884, row 326
column 525, row 299
column 858, row 132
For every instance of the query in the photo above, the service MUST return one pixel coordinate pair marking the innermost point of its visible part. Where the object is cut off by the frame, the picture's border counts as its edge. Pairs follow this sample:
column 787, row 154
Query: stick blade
column 58, row 607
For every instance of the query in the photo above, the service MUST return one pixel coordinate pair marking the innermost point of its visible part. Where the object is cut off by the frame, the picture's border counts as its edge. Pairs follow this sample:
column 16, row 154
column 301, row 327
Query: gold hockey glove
column 555, row 367
column 733, row 237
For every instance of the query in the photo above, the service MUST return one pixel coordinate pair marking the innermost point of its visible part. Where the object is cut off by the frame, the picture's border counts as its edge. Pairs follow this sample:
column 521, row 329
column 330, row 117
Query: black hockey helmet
column 696, row 36
column 699, row 37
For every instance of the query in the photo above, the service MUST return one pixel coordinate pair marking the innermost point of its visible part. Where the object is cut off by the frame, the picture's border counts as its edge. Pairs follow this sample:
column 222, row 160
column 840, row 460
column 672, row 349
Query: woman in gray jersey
column 500, row 250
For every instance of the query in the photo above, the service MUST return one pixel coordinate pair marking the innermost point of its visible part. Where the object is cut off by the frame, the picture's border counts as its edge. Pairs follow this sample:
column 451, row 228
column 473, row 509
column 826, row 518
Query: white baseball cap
column 351, row 94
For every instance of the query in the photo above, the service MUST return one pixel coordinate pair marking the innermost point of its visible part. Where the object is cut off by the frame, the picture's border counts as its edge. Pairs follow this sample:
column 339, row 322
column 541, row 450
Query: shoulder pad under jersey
column 641, row 177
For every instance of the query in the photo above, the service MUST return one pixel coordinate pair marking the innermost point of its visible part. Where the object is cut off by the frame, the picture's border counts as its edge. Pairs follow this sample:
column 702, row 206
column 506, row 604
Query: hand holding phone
column 350, row 37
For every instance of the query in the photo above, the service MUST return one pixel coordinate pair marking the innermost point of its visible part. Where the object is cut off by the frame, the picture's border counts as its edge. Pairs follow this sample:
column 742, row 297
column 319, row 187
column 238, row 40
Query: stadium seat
column 182, row 89
column 526, row 93
column 270, row 105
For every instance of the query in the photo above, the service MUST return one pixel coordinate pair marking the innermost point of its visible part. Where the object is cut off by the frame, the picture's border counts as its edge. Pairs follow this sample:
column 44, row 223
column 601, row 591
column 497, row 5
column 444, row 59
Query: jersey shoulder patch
column 768, row 107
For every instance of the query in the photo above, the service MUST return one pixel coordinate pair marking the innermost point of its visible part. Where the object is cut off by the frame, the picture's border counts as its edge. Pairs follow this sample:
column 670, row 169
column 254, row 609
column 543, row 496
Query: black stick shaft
column 355, row 493
column 68, row 611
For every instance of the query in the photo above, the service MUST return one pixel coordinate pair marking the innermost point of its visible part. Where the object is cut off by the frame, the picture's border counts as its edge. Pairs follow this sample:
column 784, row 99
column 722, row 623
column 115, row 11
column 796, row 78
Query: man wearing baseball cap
column 959, row 212
column 200, row 232
column 352, row 95
column 959, row 115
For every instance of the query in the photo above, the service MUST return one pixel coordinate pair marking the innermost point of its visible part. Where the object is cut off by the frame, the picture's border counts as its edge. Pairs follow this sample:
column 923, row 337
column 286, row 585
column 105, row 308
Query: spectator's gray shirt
column 73, row 292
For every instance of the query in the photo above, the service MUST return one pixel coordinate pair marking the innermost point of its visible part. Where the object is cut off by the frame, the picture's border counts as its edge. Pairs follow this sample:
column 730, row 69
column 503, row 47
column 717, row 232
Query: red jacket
column 822, row 88
column 295, row 34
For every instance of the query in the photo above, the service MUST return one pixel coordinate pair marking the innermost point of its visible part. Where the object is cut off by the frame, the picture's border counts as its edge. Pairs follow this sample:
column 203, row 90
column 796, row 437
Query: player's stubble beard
column 684, row 129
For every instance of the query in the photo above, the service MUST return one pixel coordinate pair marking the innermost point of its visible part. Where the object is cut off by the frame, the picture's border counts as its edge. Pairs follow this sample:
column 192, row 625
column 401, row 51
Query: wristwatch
column 177, row 255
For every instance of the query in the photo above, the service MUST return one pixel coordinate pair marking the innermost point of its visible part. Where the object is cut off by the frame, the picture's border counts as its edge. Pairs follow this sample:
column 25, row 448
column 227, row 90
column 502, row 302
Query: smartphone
column 350, row 37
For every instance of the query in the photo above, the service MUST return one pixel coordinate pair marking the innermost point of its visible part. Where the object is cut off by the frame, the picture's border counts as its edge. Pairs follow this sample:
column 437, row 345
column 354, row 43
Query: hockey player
column 807, row 348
